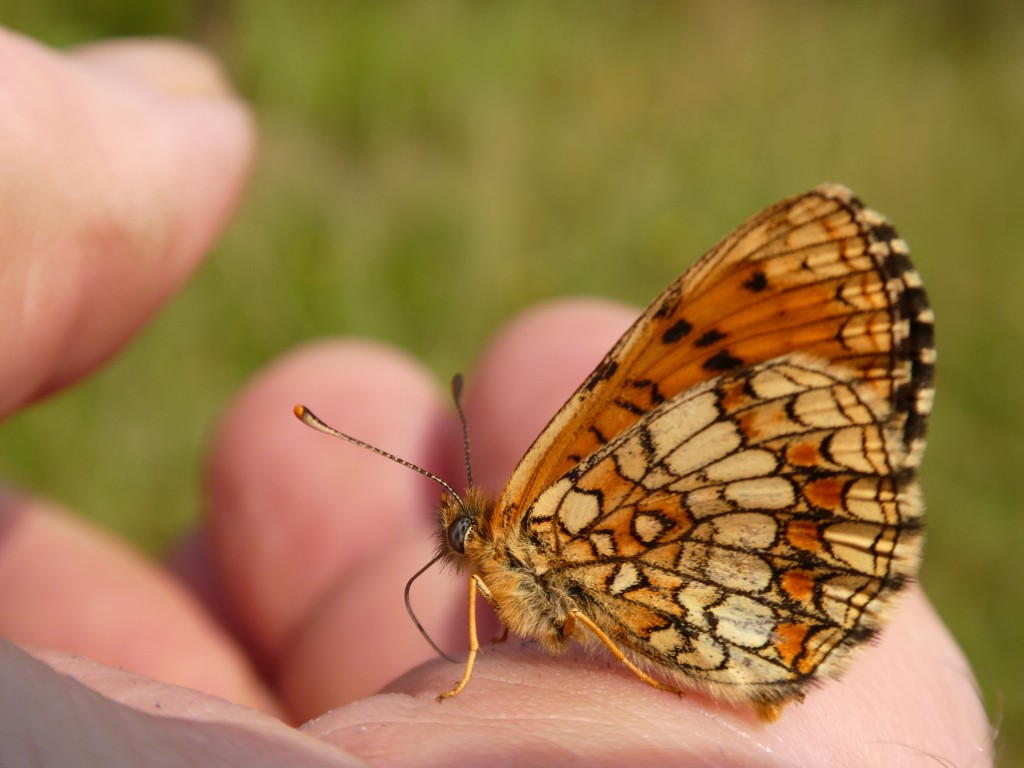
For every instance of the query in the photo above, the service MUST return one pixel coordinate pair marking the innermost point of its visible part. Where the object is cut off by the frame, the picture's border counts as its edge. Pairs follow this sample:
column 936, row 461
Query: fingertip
column 79, row 589
column 292, row 512
column 201, row 136
column 116, row 192
column 363, row 638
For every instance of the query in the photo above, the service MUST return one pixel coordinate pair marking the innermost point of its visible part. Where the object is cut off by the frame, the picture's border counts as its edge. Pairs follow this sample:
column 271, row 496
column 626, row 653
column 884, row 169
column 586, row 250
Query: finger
column 314, row 539
column 909, row 697
column 108, row 716
column 116, row 180
column 69, row 586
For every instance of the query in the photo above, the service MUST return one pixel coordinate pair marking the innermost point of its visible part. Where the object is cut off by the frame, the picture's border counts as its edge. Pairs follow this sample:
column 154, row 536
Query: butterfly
column 729, row 502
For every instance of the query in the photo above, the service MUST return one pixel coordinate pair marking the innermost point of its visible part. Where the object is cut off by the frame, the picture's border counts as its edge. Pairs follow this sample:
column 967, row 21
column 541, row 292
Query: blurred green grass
column 429, row 169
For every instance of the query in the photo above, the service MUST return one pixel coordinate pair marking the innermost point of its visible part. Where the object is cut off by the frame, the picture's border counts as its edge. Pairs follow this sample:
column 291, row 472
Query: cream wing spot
column 748, row 530
column 820, row 409
column 844, row 598
column 850, row 448
column 688, row 416
column 703, row 502
column 743, row 621
column 753, row 462
column 762, row 493
column 749, row 668
column 547, row 504
column 648, row 527
column 631, row 460
column 867, row 500
column 666, row 641
column 706, row 654
column 771, row 383
column 603, row 543
column 657, row 478
column 739, row 571
column 695, row 599
column 711, row 444
column 805, row 372
column 578, row 511
column 626, row 577
column 855, row 545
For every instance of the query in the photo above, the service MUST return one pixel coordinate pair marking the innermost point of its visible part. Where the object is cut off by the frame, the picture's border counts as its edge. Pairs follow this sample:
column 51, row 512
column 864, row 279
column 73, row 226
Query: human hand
column 909, row 695
column 309, row 542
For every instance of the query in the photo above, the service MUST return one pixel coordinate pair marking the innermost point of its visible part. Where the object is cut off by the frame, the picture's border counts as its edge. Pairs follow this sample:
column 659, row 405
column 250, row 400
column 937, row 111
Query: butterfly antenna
column 457, row 397
column 310, row 419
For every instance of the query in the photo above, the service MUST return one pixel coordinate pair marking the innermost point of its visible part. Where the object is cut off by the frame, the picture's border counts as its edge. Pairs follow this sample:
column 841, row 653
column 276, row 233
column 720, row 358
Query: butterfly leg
column 600, row 634
column 474, row 643
column 767, row 711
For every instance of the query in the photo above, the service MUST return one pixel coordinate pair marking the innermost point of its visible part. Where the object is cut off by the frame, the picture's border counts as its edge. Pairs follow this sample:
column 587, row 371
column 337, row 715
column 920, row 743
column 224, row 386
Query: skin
column 286, row 604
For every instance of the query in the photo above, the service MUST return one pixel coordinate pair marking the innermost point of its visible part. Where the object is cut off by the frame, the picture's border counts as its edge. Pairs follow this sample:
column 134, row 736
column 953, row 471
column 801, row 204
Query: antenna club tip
column 300, row 412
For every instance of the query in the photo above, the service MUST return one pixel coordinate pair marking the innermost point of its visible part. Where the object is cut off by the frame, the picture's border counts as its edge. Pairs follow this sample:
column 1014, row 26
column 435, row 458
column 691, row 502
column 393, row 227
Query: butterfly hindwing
column 744, row 535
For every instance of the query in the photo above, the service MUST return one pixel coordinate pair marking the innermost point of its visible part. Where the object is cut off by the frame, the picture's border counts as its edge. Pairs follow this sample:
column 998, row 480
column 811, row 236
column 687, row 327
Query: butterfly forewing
column 817, row 273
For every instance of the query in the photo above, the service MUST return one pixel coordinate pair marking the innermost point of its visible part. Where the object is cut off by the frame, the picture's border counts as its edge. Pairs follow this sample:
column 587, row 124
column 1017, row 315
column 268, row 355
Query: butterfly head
column 459, row 519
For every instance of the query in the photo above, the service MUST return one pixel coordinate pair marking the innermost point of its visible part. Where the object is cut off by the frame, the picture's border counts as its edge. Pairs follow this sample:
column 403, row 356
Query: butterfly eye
column 457, row 534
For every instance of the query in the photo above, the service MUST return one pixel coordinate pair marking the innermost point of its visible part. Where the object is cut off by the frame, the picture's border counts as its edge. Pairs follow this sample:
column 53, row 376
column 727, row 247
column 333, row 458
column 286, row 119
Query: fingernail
column 170, row 67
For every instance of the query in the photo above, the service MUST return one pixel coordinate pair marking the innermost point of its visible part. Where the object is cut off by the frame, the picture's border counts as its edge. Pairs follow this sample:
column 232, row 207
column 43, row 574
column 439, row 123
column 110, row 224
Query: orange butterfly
column 730, row 499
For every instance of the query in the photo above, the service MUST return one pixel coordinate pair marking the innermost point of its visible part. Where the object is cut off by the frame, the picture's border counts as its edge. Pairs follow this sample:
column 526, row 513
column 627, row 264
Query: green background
column 427, row 170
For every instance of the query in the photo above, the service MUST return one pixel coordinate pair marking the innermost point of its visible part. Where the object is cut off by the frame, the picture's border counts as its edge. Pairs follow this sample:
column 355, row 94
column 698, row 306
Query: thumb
column 122, row 162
